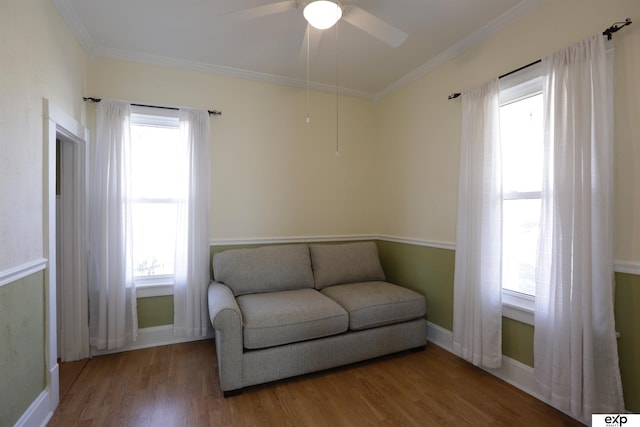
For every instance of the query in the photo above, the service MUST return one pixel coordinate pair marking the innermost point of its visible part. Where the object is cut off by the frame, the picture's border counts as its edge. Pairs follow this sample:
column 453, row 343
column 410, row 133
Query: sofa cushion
column 264, row 269
column 372, row 304
column 277, row 318
column 345, row 263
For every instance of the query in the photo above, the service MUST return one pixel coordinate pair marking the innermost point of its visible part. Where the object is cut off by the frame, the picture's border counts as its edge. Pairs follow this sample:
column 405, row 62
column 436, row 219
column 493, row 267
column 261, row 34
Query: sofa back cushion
column 335, row 264
column 264, row 269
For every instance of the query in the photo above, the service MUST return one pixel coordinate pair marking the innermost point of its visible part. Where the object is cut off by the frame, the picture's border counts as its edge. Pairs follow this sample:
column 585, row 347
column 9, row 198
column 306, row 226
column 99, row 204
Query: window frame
column 161, row 284
column 515, row 87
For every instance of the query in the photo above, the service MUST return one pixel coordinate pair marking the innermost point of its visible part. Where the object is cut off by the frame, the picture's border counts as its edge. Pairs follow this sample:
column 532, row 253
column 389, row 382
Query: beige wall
column 273, row 174
column 39, row 58
column 420, row 138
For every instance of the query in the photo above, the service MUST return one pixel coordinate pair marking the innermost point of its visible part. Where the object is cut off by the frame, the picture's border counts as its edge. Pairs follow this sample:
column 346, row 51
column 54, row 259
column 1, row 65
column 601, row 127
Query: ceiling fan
column 320, row 15
column 333, row 11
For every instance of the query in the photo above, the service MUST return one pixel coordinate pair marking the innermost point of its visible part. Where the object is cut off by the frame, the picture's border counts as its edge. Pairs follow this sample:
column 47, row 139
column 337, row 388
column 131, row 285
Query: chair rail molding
column 21, row 271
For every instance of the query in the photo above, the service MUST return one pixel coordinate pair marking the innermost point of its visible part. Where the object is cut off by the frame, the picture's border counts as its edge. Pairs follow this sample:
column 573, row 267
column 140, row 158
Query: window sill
column 154, row 287
column 518, row 307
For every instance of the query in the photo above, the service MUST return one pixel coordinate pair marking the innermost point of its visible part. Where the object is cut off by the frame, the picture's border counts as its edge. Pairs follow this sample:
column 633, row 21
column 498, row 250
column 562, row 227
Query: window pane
column 521, row 222
column 522, row 144
column 154, row 238
column 153, row 161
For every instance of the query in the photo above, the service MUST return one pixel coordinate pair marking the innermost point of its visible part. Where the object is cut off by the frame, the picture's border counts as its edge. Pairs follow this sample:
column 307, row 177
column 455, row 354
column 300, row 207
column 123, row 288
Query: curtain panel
column 112, row 294
column 477, row 309
column 192, row 275
column 575, row 349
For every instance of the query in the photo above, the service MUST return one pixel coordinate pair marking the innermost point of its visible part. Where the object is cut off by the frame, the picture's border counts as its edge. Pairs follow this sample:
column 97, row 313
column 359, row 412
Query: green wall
column 430, row 271
column 22, row 341
column 426, row 270
column 155, row 311
column 517, row 341
column 627, row 311
column 158, row 311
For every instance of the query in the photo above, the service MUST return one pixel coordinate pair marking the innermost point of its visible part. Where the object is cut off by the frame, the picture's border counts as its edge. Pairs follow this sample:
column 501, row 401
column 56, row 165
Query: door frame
column 56, row 122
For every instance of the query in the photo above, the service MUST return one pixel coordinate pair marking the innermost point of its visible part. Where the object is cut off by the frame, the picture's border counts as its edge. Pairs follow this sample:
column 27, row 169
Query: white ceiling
column 196, row 34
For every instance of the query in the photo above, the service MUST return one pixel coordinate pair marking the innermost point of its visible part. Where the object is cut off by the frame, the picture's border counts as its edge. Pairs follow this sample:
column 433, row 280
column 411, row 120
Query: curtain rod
column 92, row 99
column 617, row 26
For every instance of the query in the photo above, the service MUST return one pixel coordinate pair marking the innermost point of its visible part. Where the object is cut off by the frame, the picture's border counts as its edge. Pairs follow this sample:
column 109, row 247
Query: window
column 521, row 133
column 154, row 195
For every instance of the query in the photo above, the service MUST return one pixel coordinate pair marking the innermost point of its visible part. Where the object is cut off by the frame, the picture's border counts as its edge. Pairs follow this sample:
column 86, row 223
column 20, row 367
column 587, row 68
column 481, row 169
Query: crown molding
column 93, row 50
column 507, row 18
column 77, row 28
column 150, row 59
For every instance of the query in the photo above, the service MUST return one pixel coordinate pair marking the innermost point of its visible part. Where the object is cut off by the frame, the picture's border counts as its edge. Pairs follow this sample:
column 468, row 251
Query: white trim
column 55, row 121
column 20, row 272
column 54, row 387
column 38, row 413
column 512, row 371
column 93, row 50
column 152, row 337
column 518, row 313
column 627, row 267
column 279, row 240
column 65, row 124
column 510, row 16
column 440, row 336
column 144, row 58
column 75, row 24
column 518, row 306
column 419, row 242
column 343, row 238
column 154, row 290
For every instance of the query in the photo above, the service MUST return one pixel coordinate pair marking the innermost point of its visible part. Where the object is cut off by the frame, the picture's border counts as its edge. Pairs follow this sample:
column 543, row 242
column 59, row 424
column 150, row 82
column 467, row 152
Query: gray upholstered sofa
column 286, row 310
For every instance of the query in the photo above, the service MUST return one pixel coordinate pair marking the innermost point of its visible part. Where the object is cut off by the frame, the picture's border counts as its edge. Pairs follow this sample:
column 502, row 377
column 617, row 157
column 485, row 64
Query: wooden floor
column 69, row 372
column 177, row 385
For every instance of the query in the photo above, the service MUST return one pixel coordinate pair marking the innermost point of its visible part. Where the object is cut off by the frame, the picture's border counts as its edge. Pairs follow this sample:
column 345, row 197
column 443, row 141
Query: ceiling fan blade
column 313, row 42
column 374, row 26
column 260, row 11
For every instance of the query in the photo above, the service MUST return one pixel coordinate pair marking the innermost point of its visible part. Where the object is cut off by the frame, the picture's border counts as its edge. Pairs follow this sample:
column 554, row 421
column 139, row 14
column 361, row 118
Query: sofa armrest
column 220, row 299
column 226, row 318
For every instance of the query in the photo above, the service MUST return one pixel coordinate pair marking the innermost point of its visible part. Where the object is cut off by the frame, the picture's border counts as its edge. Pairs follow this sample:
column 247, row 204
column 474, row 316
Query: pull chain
column 308, row 95
column 337, row 91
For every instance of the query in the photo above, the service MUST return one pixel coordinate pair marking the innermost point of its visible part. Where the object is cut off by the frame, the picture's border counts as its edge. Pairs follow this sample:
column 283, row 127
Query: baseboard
column 152, row 337
column 39, row 412
column 54, row 387
column 512, row 371
column 515, row 373
column 440, row 336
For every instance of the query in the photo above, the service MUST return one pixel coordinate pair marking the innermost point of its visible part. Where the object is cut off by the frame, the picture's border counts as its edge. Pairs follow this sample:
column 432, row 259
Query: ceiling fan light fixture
column 322, row 14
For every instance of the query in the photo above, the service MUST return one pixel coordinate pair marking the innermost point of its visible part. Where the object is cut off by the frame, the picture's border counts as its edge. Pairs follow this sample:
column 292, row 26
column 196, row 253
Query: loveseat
column 285, row 310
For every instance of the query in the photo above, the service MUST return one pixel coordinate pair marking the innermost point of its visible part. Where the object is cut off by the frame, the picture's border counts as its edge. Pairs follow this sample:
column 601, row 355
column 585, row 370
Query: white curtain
column 477, row 307
column 192, row 247
column 112, row 295
column 576, row 359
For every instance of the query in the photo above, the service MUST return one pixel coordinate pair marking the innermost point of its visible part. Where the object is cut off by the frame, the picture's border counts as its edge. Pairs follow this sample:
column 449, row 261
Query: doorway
column 72, row 169
column 71, row 249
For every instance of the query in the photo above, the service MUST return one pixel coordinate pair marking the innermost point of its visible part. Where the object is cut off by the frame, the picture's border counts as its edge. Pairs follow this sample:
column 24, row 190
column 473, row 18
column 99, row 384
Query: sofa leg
column 231, row 393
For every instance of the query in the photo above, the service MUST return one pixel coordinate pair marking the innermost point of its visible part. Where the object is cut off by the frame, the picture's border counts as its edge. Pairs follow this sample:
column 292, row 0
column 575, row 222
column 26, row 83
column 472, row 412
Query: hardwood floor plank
column 177, row 385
